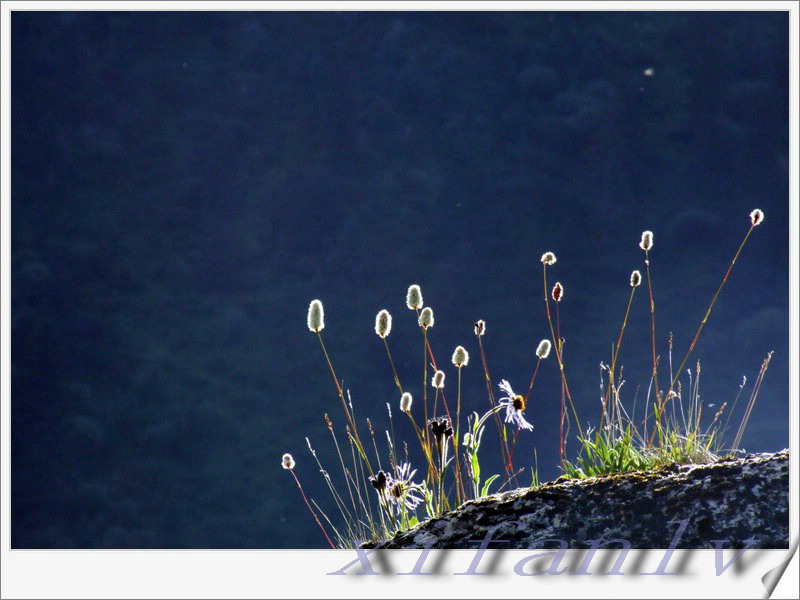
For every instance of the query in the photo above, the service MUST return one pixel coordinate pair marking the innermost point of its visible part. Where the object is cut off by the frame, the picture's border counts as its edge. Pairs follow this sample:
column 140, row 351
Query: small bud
column 440, row 427
column 543, row 351
column 558, row 291
column 480, row 327
column 647, row 241
column 438, row 380
column 548, row 258
column 756, row 217
column 287, row 462
column 414, row 297
column 379, row 481
column 426, row 317
column 468, row 440
column 636, row 279
column 316, row 317
column 460, row 357
column 405, row 402
column 383, row 323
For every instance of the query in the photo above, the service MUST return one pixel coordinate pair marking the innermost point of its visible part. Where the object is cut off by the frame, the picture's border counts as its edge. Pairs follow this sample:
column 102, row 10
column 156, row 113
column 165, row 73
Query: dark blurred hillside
column 185, row 183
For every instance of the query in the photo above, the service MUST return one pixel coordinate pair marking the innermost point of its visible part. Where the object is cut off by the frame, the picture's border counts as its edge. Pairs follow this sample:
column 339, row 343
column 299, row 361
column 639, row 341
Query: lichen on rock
column 738, row 500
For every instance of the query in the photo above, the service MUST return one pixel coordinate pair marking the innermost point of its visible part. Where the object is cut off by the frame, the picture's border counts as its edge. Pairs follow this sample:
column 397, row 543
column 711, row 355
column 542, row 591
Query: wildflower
column 414, row 297
column 636, row 279
column 405, row 402
column 480, row 327
column 515, row 405
column 441, row 429
column 401, row 490
column 543, row 351
column 316, row 317
column 460, row 357
column 647, row 241
column 548, row 258
column 756, row 217
column 379, row 482
column 383, row 323
column 287, row 462
column 438, row 380
column 426, row 317
column 558, row 291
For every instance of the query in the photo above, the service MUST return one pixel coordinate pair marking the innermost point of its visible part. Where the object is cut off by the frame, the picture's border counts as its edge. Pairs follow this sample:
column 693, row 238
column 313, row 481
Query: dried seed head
column 316, row 317
column 460, row 357
column 287, row 462
column 543, row 351
column 636, row 279
column 426, row 317
column 440, row 427
column 558, row 291
column 383, row 323
column 548, row 258
column 480, row 327
column 405, row 402
column 379, row 481
column 756, row 217
column 414, row 297
column 647, row 241
column 438, row 380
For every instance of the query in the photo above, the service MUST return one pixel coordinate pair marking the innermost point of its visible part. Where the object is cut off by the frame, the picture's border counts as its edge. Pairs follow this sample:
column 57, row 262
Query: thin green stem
column 316, row 518
column 530, row 387
column 391, row 362
column 344, row 404
column 558, row 354
column 710, row 306
column 492, row 405
column 708, row 313
column 614, row 358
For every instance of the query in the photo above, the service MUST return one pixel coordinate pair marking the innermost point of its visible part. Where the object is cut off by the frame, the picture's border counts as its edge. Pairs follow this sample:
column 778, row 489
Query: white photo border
column 303, row 573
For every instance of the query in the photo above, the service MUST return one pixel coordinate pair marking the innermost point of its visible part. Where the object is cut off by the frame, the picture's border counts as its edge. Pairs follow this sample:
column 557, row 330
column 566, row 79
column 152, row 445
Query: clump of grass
column 621, row 443
column 375, row 504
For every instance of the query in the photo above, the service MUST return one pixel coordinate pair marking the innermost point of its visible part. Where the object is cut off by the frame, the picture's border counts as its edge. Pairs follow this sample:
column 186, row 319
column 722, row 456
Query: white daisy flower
column 515, row 405
column 401, row 490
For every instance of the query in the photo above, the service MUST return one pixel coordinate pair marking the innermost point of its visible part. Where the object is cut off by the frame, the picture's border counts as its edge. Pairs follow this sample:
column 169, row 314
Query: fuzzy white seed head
column 647, row 241
column 460, row 357
column 383, row 323
column 548, row 258
column 316, row 317
column 543, row 351
column 636, row 279
column 287, row 462
column 438, row 380
column 558, row 291
column 480, row 327
column 756, row 217
column 405, row 402
column 414, row 297
column 426, row 318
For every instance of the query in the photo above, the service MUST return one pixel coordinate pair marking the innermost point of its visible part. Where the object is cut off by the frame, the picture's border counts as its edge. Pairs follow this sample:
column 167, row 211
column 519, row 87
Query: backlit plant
column 375, row 502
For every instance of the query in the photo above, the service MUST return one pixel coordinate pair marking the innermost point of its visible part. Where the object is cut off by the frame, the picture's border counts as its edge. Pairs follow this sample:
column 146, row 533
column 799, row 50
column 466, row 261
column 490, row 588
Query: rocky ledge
column 742, row 500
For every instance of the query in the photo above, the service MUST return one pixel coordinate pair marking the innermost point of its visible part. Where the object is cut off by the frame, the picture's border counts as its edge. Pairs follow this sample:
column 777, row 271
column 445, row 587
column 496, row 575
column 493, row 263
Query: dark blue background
column 185, row 183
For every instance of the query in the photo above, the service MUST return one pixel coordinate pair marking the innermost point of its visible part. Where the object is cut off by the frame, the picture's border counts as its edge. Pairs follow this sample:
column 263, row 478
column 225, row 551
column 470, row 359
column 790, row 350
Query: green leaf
column 485, row 490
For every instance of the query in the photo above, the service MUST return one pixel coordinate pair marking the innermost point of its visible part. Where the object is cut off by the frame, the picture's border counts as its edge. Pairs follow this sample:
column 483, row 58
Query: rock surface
column 732, row 499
